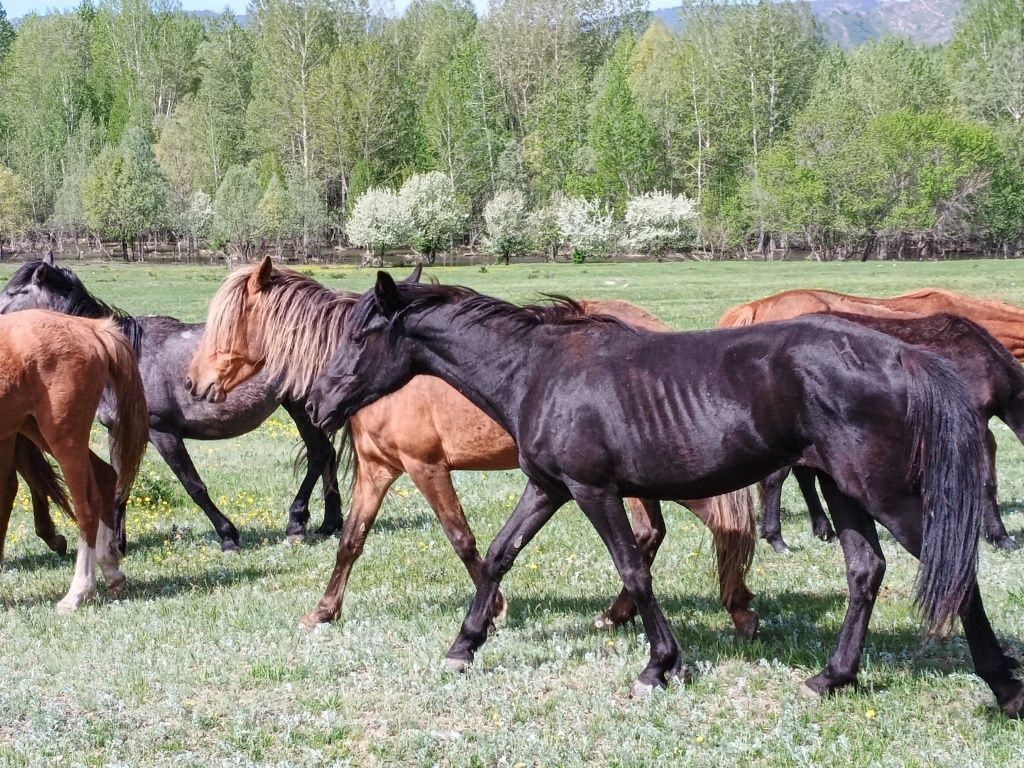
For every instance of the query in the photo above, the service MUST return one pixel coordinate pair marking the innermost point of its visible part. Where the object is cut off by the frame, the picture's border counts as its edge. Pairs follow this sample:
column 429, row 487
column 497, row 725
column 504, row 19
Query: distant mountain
column 851, row 22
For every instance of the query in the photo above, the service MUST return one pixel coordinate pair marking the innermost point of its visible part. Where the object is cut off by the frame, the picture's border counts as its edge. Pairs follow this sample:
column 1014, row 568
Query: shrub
column 379, row 222
column 437, row 215
column 544, row 232
column 588, row 226
column 658, row 222
column 505, row 223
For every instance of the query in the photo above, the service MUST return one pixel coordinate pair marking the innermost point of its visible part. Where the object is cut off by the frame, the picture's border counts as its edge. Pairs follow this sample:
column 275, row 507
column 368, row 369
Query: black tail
column 39, row 474
column 953, row 468
column 347, row 456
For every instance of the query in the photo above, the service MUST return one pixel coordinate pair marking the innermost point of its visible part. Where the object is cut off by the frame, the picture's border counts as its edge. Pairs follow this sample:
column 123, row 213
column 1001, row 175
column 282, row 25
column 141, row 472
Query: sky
column 17, row 8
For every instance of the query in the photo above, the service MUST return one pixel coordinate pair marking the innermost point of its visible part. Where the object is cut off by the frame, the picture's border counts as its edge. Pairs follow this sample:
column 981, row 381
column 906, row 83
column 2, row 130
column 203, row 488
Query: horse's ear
column 414, row 277
column 40, row 273
column 48, row 258
column 385, row 294
column 260, row 278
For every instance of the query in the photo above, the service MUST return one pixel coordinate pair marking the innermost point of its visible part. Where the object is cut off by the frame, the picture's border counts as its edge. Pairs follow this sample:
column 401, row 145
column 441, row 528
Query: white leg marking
column 83, row 585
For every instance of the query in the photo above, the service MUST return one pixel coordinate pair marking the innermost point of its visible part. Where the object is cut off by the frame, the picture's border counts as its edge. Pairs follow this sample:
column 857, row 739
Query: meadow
column 201, row 662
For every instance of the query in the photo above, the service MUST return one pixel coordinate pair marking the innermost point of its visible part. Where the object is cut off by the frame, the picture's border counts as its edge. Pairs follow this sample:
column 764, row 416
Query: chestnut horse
column 55, row 369
column 601, row 410
column 1004, row 321
column 995, row 386
column 283, row 322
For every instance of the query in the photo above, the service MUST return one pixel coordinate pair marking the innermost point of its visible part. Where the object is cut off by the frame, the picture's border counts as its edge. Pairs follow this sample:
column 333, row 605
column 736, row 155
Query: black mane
column 556, row 309
column 80, row 302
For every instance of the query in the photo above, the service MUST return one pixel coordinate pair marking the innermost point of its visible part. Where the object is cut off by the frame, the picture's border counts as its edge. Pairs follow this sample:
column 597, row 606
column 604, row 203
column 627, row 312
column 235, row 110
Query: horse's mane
column 80, row 302
column 301, row 323
column 556, row 309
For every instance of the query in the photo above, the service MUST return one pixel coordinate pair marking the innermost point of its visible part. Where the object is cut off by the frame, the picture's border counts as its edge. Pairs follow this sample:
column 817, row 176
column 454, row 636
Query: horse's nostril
column 311, row 410
column 190, row 387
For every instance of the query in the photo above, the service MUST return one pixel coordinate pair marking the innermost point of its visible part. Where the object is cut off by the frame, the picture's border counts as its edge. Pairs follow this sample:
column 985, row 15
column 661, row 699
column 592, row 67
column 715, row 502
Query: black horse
column 886, row 426
column 995, row 385
column 164, row 346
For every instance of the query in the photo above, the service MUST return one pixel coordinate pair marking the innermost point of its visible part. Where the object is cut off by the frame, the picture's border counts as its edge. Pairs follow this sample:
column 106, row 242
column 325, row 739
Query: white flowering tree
column 505, row 225
column 438, row 216
column 379, row 222
column 588, row 226
column 659, row 222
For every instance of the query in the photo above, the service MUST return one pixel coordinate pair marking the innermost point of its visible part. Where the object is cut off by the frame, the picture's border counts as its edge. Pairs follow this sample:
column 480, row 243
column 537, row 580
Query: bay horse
column 1002, row 320
column 55, row 369
column 164, row 346
column 995, row 386
column 886, row 426
column 277, row 320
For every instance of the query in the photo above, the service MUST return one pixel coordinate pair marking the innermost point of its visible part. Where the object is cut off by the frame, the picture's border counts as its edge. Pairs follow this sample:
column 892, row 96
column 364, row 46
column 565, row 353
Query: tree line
column 578, row 126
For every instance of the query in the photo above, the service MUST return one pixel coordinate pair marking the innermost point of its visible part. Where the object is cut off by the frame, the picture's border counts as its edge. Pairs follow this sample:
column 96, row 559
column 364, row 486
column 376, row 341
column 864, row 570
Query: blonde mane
column 299, row 322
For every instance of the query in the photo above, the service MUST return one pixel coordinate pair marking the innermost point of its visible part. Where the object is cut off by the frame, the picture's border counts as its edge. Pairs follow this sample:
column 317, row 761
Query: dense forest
column 579, row 127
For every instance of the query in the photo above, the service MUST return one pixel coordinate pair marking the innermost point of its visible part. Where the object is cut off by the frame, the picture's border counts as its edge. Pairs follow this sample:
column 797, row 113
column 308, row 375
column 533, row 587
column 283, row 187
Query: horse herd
column 880, row 403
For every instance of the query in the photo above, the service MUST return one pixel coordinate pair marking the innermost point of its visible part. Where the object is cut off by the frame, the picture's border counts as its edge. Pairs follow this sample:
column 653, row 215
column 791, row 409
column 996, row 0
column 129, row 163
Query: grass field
column 202, row 664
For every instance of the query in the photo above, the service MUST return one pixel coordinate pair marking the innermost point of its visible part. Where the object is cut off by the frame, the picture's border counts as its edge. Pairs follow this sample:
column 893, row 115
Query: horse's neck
column 492, row 369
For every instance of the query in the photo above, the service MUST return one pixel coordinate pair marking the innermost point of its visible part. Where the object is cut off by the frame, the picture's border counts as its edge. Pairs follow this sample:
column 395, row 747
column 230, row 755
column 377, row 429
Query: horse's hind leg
column 734, row 549
column 44, row 525
column 992, row 523
column 865, row 569
column 8, row 489
column 819, row 520
column 88, row 500
column 649, row 529
column 108, row 552
column 435, row 483
column 321, row 464
column 608, row 517
column 771, row 515
column 172, row 449
column 990, row 661
column 372, row 482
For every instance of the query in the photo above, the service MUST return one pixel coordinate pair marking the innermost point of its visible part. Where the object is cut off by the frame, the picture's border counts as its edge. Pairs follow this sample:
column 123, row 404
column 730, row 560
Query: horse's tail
column 731, row 519
column 346, row 456
column 39, row 474
column 953, row 469
column 741, row 314
column 130, row 432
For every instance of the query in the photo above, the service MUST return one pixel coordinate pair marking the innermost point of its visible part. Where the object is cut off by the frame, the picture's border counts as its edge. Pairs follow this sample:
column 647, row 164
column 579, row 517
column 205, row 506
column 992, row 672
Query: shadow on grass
column 802, row 632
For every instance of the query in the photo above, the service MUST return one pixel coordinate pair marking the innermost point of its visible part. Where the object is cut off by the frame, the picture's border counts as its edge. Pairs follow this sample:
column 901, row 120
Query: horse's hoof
column 115, row 587
column 806, row 692
column 230, row 547
column 640, row 690
column 295, row 538
column 780, row 547
column 311, row 621
column 746, row 626
column 326, row 531
column 603, row 622
column 1007, row 543
column 455, row 665
column 1014, row 707
column 828, row 536
column 60, row 545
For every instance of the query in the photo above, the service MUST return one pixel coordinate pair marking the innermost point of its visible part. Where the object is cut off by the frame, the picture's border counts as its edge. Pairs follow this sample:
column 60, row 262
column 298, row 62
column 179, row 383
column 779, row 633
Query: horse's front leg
column 649, row 529
column 321, row 465
column 372, row 482
column 607, row 515
column 435, row 483
column 535, row 508
column 865, row 569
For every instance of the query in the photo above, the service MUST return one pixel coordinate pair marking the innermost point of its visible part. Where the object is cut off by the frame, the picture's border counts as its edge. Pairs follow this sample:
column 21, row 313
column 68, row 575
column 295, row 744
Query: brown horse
column 55, row 369
column 278, row 319
column 1004, row 321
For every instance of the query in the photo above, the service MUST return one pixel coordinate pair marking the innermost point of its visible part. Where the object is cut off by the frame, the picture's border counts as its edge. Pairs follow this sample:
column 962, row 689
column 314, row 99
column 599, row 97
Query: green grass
column 202, row 664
